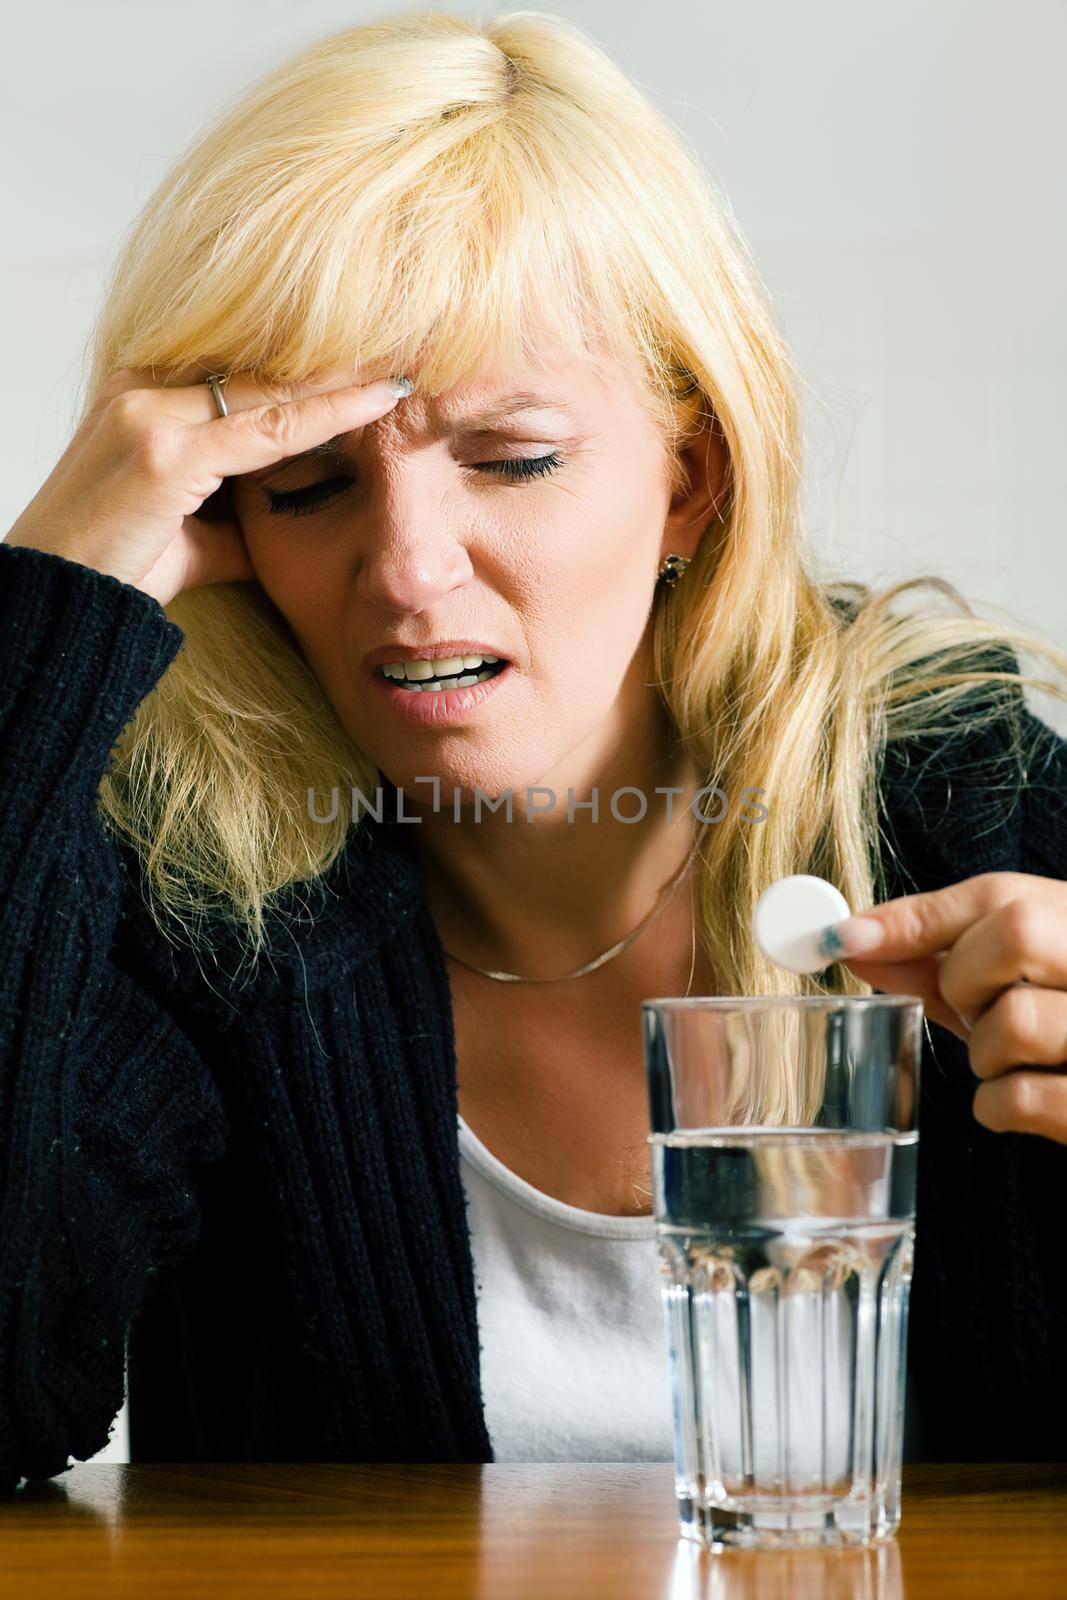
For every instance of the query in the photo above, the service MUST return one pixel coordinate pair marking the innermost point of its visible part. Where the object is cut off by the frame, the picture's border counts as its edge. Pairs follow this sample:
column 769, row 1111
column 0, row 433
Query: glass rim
column 809, row 1002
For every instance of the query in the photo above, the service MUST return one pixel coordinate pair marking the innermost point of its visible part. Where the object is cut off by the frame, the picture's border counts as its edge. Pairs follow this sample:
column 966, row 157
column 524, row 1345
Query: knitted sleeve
column 106, row 1108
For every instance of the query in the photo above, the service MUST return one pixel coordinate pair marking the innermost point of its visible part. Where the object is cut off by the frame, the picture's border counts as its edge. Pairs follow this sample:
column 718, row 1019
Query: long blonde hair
column 426, row 194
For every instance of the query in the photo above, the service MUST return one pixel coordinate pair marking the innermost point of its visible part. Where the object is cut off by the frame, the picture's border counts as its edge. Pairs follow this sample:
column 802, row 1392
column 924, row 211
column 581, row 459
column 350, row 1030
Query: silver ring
column 215, row 383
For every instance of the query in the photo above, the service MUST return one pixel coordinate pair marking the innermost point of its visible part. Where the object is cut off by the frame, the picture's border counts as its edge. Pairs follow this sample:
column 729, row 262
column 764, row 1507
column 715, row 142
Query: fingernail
column 401, row 386
column 852, row 936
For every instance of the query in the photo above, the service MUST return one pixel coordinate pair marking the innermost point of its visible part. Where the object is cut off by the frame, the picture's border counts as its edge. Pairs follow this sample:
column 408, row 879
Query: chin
column 462, row 781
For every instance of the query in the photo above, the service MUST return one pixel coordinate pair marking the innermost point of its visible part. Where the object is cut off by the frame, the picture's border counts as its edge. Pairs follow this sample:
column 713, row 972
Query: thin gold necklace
column 616, row 949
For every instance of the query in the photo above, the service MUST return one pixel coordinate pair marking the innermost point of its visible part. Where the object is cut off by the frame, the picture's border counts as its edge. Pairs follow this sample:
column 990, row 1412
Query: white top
column 574, row 1360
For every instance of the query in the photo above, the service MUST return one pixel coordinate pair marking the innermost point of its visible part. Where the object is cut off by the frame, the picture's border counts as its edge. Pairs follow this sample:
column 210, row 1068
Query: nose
column 410, row 565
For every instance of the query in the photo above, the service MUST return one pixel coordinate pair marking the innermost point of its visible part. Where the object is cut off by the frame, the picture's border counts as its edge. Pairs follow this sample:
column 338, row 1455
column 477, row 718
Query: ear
column 704, row 467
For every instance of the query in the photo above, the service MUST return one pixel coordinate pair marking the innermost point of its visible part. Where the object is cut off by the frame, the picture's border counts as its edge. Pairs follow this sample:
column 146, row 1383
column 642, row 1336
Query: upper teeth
column 420, row 670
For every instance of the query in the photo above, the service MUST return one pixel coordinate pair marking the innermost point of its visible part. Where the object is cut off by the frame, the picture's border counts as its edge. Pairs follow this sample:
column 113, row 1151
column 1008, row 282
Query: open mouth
column 462, row 679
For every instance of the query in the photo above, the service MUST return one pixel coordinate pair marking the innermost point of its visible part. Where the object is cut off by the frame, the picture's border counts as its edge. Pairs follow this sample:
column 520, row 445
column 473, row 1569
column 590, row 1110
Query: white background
column 898, row 171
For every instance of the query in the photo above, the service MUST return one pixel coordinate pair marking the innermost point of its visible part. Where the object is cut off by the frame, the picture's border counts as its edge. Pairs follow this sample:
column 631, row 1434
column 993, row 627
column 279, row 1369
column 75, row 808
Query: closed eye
column 297, row 502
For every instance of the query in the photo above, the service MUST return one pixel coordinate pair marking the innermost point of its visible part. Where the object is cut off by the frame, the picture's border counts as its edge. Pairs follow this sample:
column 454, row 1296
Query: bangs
column 425, row 198
column 442, row 253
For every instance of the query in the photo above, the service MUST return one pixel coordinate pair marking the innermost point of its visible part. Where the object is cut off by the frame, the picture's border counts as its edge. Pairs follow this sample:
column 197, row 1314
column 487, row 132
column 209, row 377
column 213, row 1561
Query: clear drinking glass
column 784, row 1152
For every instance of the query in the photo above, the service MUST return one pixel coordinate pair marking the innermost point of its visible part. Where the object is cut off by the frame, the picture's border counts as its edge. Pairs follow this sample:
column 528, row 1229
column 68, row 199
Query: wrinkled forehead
column 548, row 371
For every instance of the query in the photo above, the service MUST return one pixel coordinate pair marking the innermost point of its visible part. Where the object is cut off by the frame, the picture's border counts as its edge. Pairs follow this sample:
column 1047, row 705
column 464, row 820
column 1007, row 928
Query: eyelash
column 297, row 502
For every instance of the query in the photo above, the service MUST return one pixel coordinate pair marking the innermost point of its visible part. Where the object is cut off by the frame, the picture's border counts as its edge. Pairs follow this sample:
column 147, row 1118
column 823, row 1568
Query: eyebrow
column 508, row 405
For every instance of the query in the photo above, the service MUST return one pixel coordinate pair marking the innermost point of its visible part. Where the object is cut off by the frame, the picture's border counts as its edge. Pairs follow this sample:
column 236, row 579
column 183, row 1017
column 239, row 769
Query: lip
column 441, row 707
column 440, row 650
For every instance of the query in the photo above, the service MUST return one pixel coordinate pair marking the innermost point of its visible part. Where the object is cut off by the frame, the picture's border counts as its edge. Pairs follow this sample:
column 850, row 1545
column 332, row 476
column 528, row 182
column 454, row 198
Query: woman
column 238, row 1029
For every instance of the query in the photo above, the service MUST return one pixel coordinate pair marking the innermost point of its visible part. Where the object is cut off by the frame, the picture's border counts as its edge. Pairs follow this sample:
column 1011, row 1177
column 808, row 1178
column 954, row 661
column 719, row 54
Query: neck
column 546, row 896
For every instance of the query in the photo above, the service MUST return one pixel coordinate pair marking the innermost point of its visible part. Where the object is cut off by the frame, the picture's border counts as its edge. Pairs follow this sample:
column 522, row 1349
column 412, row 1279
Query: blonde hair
column 425, row 195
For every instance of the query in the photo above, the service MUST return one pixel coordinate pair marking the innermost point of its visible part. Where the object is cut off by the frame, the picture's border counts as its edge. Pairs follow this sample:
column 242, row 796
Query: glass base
column 765, row 1523
column 873, row 1572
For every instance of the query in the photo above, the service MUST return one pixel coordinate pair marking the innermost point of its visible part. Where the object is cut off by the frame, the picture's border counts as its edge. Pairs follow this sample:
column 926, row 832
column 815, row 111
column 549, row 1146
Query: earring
column 672, row 569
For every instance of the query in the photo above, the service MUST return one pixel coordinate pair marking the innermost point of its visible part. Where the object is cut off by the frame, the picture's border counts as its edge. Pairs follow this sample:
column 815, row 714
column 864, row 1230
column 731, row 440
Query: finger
column 186, row 397
column 920, row 924
column 1021, row 941
column 207, row 553
column 261, row 434
column 188, row 400
column 1024, row 1102
column 187, row 393
column 244, row 391
column 215, row 553
column 912, row 977
column 1024, row 1026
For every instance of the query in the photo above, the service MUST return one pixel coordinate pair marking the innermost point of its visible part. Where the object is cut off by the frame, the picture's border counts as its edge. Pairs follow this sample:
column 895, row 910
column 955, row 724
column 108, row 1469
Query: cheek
column 297, row 582
column 590, row 589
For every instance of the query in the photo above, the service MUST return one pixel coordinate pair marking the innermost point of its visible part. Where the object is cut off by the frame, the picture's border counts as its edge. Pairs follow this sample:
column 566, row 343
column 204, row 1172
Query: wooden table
column 543, row 1532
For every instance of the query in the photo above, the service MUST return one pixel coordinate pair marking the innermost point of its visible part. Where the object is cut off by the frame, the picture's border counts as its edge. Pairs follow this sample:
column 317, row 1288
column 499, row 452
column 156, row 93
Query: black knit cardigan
column 259, row 1182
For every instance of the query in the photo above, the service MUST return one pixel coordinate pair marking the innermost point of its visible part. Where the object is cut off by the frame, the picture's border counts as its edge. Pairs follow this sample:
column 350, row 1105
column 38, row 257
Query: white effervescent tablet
column 789, row 917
